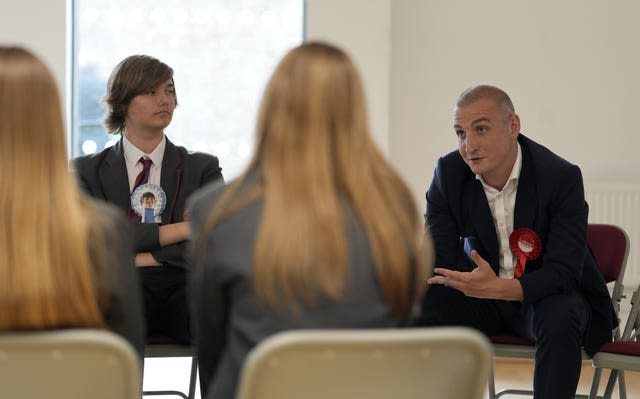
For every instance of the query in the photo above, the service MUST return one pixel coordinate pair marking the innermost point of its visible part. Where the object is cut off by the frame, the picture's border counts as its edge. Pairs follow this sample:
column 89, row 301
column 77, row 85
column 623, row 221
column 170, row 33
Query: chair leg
column 193, row 377
column 621, row 385
column 615, row 375
column 593, row 394
column 492, row 383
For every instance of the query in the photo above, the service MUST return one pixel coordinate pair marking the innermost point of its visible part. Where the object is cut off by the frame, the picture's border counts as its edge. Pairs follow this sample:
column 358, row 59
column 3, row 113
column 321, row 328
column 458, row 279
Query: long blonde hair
column 314, row 154
column 46, row 278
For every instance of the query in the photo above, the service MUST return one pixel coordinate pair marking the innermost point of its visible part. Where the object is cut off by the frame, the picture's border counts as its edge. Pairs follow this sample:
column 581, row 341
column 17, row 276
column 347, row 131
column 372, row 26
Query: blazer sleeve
column 210, row 303
column 211, row 171
column 442, row 223
column 207, row 167
column 123, row 314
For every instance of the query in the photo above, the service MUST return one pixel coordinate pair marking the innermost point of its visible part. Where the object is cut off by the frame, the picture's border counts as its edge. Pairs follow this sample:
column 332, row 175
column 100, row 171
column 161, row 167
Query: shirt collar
column 513, row 177
column 132, row 153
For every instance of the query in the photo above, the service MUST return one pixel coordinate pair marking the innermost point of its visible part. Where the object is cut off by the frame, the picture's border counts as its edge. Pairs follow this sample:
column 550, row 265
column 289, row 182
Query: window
column 222, row 53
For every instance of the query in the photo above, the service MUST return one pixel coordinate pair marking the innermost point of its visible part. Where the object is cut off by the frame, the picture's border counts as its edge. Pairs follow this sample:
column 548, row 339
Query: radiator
column 618, row 204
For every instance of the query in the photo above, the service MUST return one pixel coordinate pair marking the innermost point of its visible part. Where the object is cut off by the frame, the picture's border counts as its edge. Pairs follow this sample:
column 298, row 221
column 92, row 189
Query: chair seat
column 506, row 339
column 160, row 340
column 506, row 345
column 631, row 348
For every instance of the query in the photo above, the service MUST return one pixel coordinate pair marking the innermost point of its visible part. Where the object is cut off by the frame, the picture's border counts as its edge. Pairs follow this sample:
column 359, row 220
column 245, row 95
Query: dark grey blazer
column 104, row 175
column 230, row 320
column 123, row 310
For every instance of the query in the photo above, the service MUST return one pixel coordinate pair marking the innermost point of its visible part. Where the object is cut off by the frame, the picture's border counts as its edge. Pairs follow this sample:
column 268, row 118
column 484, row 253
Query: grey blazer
column 123, row 310
column 230, row 320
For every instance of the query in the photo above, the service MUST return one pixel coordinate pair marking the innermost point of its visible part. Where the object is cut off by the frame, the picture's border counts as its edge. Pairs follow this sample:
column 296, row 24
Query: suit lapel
column 526, row 198
column 113, row 178
column 481, row 220
column 170, row 179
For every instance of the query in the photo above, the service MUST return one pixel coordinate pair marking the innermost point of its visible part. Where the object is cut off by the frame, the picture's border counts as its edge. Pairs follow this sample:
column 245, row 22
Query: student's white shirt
column 132, row 156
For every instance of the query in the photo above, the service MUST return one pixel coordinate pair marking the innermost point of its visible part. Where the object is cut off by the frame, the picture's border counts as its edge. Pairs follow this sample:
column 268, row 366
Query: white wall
column 362, row 28
column 571, row 68
column 40, row 26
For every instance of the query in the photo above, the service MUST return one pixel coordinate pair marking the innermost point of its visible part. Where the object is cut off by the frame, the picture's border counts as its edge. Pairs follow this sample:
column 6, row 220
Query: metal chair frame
column 167, row 349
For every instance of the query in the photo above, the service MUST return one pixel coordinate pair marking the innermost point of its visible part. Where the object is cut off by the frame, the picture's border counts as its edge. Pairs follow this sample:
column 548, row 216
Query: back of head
column 315, row 158
column 31, row 115
column 313, row 110
column 44, row 277
column 136, row 74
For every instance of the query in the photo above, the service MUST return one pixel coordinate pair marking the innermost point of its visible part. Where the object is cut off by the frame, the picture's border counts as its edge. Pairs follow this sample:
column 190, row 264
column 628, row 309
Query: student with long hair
column 318, row 232
column 66, row 260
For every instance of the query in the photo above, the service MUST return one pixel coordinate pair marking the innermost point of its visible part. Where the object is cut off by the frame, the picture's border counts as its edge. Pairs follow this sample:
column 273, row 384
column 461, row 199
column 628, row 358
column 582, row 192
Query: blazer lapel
column 171, row 179
column 526, row 197
column 481, row 220
column 113, row 178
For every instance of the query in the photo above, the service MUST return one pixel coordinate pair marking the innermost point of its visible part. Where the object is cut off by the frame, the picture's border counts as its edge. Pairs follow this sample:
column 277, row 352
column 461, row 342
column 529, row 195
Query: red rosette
column 526, row 245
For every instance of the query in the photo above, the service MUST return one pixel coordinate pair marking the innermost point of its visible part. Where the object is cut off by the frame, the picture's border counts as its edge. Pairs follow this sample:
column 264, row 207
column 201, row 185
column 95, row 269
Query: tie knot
column 146, row 162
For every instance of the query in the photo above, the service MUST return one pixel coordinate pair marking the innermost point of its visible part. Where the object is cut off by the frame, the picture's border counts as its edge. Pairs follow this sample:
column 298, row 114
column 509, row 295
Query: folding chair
column 444, row 363
column 161, row 346
column 610, row 246
column 69, row 364
column 619, row 355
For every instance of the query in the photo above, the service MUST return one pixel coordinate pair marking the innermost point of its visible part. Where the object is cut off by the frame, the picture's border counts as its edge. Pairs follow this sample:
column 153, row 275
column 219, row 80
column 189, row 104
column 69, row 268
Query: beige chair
column 443, row 363
column 69, row 364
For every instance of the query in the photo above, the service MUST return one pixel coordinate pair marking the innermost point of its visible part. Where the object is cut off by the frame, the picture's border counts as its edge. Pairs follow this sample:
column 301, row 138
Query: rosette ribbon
column 525, row 245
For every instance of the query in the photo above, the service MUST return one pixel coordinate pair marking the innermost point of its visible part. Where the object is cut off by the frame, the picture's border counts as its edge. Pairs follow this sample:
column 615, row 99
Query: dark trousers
column 166, row 310
column 556, row 324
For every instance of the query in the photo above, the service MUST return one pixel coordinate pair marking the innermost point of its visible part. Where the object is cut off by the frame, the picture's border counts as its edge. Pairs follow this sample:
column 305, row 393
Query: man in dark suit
column 509, row 223
column 141, row 99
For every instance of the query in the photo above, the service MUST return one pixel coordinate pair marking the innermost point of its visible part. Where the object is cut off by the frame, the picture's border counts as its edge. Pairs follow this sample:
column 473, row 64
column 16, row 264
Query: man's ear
column 514, row 125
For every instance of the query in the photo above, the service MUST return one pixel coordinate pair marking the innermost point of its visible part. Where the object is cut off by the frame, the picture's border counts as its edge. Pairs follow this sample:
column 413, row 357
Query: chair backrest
column 75, row 363
column 610, row 246
column 444, row 363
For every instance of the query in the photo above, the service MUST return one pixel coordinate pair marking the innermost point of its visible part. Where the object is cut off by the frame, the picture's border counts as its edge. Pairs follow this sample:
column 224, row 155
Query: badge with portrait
column 148, row 202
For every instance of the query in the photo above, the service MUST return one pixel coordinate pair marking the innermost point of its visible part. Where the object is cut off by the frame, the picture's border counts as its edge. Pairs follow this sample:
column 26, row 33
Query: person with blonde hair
column 66, row 260
column 318, row 232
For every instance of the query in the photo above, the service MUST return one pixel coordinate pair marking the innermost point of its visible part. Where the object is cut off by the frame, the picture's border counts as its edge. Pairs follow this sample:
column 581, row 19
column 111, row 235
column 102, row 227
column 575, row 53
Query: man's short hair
column 475, row 93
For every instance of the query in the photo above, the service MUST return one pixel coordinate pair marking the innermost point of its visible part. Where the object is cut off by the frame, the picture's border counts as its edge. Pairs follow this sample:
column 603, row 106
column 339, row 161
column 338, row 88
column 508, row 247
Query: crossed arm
column 167, row 234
